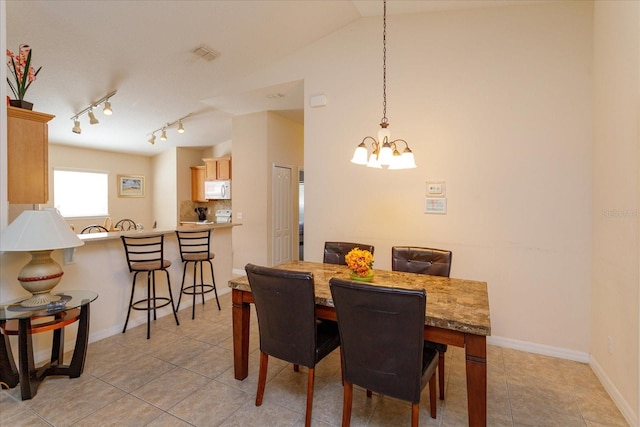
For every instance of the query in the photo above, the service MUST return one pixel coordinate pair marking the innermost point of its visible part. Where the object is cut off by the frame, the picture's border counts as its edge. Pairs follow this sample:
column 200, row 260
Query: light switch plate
column 436, row 189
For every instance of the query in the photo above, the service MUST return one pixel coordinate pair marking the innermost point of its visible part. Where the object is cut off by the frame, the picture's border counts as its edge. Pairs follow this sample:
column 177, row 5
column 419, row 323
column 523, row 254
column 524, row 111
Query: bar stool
column 145, row 254
column 195, row 247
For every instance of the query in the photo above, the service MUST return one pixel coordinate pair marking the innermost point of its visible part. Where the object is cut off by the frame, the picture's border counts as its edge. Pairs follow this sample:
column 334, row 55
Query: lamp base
column 39, row 277
column 39, row 300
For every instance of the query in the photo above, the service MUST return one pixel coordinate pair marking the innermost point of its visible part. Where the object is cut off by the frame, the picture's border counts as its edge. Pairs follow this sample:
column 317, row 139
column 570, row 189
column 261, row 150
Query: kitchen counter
column 100, row 266
column 186, row 225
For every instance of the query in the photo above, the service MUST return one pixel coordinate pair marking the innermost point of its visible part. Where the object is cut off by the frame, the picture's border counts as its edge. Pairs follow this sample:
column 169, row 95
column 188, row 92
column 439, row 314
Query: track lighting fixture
column 163, row 129
column 76, row 127
column 89, row 110
column 107, row 108
column 92, row 118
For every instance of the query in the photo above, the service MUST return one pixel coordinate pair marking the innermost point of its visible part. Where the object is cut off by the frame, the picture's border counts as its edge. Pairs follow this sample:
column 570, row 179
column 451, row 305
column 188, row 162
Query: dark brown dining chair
column 334, row 252
column 125, row 225
column 287, row 323
column 382, row 343
column 145, row 254
column 195, row 248
column 94, row 228
column 434, row 262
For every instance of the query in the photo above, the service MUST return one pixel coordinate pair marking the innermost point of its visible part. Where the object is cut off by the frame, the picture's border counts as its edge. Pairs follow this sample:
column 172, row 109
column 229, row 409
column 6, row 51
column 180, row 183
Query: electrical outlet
column 610, row 339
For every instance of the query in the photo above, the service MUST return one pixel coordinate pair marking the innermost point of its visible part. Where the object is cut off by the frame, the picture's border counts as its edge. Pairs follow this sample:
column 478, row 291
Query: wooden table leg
column 476, row 364
column 241, row 315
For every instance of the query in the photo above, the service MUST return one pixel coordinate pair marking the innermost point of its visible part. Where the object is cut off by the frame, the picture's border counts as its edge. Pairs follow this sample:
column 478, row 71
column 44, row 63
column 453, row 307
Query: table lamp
column 39, row 232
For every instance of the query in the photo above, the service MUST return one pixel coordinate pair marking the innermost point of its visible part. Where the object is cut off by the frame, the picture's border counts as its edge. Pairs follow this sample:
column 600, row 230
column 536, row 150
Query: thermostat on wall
column 435, row 205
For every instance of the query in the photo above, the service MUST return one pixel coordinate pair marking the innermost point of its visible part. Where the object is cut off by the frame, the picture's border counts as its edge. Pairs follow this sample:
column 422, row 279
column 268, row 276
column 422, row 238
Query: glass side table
column 24, row 322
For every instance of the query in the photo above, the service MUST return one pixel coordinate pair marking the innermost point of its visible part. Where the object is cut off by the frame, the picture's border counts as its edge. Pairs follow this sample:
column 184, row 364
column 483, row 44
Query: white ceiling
column 143, row 49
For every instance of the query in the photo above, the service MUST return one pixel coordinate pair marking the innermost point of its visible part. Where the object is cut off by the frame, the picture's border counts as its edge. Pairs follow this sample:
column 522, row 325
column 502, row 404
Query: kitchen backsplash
column 187, row 209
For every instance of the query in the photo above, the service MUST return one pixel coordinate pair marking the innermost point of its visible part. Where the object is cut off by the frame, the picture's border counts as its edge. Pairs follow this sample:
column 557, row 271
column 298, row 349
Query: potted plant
column 23, row 75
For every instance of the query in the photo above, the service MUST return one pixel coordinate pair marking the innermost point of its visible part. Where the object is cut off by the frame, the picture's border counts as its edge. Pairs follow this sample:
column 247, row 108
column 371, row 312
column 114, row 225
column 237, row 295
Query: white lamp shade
column 386, row 153
column 373, row 161
column 360, row 155
column 38, row 230
column 408, row 161
column 396, row 161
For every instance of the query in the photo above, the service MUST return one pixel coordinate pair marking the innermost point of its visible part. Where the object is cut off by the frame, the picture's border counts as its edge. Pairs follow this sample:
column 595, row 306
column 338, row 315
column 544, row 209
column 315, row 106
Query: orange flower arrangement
column 359, row 261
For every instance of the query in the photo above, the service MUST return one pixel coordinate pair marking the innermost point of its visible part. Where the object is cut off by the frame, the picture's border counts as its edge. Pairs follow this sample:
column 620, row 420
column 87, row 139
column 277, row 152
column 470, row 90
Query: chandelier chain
column 384, row 64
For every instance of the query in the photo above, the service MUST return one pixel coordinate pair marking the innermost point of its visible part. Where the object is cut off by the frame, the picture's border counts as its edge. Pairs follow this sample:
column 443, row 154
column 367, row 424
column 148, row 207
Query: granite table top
column 456, row 304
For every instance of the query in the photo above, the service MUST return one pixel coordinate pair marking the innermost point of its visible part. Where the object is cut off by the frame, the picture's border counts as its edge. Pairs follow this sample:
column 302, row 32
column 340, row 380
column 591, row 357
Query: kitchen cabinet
column 197, row 183
column 218, row 168
column 27, row 156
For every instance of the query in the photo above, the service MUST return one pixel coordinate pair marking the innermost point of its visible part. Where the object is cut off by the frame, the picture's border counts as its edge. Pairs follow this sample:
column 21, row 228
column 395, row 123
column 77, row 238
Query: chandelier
column 384, row 152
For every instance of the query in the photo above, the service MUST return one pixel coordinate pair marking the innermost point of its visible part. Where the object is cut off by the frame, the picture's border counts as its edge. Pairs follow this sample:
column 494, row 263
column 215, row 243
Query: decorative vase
column 19, row 103
column 367, row 278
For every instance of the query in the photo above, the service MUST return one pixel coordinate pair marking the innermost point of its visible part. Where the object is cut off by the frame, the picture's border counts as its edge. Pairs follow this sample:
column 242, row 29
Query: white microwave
column 217, row 190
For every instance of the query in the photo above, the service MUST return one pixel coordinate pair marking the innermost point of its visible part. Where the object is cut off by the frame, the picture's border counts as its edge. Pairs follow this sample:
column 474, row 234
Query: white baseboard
column 577, row 356
column 623, row 406
column 546, row 350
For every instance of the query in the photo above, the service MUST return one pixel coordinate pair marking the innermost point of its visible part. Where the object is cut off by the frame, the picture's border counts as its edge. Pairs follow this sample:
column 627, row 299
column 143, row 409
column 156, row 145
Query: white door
column 282, row 214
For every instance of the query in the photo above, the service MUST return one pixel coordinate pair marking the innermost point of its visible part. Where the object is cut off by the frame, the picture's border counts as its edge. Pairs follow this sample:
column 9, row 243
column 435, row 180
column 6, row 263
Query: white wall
column 260, row 140
column 616, row 201
column 497, row 103
column 164, row 192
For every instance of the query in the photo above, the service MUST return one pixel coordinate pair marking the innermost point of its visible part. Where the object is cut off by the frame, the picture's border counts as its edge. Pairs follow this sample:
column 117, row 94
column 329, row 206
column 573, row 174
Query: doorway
column 301, row 214
column 282, row 214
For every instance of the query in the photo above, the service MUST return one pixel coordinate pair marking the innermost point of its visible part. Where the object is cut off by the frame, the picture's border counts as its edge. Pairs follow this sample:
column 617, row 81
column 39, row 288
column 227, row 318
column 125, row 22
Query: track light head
column 76, row 127
column 92, row 118
column 180, row 127
column 163, row 136
column 152, row 140
column 107, row 111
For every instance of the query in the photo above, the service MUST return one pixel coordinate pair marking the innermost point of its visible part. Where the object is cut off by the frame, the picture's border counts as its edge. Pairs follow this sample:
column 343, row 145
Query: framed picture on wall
column 130, row 186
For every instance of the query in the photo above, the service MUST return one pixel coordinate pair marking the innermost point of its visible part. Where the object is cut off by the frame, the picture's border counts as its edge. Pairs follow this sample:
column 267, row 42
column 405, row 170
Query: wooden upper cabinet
column 197, row 183
column 27, row 156
column 218, row 168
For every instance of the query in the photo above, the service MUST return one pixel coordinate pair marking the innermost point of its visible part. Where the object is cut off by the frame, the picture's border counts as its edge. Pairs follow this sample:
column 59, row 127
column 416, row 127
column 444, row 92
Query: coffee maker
column 202, row 212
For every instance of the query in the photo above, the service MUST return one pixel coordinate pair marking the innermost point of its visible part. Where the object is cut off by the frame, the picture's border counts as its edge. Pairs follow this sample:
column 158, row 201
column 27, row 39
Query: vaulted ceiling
column 144, row 50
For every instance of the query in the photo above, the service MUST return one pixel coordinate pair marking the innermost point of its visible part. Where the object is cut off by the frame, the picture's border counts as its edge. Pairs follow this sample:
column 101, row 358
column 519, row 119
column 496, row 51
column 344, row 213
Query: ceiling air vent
column 204, row 52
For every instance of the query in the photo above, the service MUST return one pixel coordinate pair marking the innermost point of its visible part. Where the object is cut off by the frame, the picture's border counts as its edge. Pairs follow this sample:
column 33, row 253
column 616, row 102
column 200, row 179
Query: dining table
column 457, row 313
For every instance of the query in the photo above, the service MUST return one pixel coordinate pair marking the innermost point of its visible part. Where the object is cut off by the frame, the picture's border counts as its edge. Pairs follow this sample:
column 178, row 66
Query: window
column 78, row 193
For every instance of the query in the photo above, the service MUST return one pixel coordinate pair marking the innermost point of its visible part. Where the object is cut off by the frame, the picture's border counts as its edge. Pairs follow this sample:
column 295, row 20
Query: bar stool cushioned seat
column 145, row 254
column 195, row 247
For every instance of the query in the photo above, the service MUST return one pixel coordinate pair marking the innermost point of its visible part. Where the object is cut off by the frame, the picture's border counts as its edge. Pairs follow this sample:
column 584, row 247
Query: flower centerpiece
column 23, row 74
column 360, row 262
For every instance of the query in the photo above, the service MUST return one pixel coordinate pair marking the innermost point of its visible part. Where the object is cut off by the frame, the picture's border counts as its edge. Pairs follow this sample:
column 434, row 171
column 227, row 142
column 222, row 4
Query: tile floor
column 183, row 376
